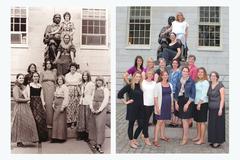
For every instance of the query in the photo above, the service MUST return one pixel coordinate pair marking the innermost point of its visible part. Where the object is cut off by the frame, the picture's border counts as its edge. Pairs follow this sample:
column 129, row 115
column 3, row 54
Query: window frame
column 138, row 46
column 211, row 48
column 103, row 47
column 26, row 45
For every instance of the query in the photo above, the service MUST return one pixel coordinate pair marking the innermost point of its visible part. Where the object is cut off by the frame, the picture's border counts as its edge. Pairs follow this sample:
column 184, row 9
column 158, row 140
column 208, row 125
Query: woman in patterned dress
column 65, row 55
column 73, row 80
column 47, row 80
column 23, row 124
column 37, row 104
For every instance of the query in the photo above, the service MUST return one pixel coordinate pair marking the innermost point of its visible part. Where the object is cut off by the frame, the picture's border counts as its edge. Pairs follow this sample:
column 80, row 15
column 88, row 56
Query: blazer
column 190, row 90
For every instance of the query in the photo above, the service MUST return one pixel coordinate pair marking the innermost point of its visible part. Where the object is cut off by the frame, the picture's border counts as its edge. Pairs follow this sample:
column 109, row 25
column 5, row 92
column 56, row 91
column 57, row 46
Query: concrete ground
column 173, row 146
column 71, row 146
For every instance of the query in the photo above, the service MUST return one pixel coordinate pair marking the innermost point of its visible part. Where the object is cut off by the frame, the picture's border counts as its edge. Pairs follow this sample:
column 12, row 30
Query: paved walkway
column 166, row 147
column 71, row 146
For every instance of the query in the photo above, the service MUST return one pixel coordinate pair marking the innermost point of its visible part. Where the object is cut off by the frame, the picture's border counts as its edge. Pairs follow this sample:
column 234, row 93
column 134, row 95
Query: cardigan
column 158, row 95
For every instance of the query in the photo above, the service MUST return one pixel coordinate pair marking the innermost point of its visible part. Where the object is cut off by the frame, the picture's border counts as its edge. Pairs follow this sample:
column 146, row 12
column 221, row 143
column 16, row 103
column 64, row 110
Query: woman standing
column 23, row 124
column 184, row 96
column 163, row 103
column 59, row 131
column 216, row 121
column 37, row 104
column 99, row 113
column 47, row 79
column 138, row 66
column 135, row 109
column 148, row 86
column 162, row 67
column 28, row 77
column 201, row 104
column 65, row 55
column 150, row 66
column 87, row 89
column 73, row 80
column 174, row 76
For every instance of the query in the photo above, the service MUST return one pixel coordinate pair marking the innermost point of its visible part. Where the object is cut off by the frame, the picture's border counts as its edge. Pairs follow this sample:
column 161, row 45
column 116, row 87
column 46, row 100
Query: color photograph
column 172, row 79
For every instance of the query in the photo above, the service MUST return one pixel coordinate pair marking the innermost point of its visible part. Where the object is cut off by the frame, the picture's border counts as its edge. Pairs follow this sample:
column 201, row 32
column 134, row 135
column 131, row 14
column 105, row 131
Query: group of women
column 46, row 104
column 185, row 91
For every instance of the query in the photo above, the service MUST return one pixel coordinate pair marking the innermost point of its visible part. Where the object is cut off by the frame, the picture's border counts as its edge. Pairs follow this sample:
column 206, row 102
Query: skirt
column 23, row 128
column 216, row 126
column 200, row 115
column 83, row 118
column 48, row 92
column 72, row 108
column 59, row 130
column 182, row 100
column 39, row 115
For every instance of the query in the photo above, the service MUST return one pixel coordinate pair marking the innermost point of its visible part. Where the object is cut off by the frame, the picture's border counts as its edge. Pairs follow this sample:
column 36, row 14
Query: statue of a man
column 52, row 38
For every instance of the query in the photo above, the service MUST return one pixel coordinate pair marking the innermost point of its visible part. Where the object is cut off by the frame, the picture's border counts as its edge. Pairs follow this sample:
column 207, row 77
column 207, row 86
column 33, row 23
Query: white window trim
column 93, row 47
column 208, row 48
column 138, row 46
column 27, row 24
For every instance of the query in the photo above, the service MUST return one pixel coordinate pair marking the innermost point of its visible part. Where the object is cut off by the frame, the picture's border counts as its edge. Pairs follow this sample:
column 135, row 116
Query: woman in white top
column 87, row 90
column 73, row 80
column 148, row 86
column 59, row 130
column 180, row 27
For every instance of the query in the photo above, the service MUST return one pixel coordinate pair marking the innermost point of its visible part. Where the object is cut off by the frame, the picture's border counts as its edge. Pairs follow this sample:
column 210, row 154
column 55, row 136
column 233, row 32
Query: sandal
column 184, row 142
column 147, row 142
column 132, row 145
column 155, row 143
column 165, row 139
column 199, row 142
column 195, row 139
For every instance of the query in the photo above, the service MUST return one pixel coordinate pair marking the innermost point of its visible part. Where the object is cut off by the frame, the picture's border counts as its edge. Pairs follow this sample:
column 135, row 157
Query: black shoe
column 99, row 149
column 20, row 144
column 53, row 140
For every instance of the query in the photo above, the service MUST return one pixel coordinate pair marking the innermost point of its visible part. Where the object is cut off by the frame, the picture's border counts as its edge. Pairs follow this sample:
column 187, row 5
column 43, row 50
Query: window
column 19, row 25
column 209, row 27
column 94, row 27
column 139, row 26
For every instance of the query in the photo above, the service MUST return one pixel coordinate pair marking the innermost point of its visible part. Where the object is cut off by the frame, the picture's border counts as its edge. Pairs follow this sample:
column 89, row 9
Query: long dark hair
column 32, row 64
column 88, row 77
column 45, row 64
column 135, row 63
column 21, row 86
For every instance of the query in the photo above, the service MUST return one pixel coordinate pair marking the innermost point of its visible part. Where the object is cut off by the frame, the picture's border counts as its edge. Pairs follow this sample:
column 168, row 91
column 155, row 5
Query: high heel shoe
column 135, row 142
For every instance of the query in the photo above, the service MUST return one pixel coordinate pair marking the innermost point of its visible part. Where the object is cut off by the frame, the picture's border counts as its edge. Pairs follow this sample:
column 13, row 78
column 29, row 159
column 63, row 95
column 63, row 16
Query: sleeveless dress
column 166, row 104
column 39, row 113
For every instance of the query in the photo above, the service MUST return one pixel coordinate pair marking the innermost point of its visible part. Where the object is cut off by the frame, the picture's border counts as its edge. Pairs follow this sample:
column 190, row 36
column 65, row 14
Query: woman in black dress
column 37, row 105
column 184, row 96
column 216, row 119
column 134, row 107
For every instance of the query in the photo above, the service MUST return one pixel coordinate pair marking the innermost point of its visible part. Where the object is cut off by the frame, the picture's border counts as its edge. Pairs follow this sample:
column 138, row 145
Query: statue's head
column 170, row 20
column 57, row 18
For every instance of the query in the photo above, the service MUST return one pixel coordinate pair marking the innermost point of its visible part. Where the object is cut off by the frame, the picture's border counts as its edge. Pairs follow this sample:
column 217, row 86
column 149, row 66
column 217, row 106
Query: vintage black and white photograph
column 60, row 80
column 172, row 79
